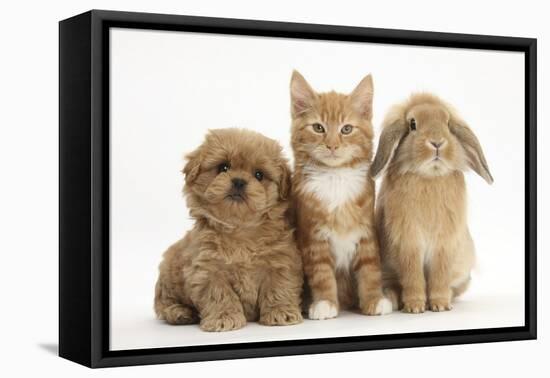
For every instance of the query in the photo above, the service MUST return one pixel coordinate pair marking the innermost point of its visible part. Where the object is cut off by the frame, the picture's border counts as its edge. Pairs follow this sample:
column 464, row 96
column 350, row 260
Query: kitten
column 334, row 198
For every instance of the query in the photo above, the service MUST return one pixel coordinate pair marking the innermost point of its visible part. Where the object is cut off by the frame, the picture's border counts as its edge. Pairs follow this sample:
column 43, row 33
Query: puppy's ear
column 361, row 97
column 470, row 143
column 284, row 180
column 301, row 95
column 389, row 140
column 193, row 166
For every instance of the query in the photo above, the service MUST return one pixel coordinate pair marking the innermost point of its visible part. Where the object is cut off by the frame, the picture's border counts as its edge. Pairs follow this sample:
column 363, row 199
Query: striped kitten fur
column 334, row 198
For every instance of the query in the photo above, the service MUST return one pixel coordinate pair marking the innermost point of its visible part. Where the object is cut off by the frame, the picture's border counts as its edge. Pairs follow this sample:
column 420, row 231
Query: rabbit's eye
column 413, row 124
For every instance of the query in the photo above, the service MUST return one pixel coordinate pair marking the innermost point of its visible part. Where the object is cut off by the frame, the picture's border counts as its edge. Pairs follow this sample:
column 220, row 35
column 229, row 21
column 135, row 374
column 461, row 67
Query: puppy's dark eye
column 223, row 167
column 413, row 124
column 318, row 128
column 346, row 129
column 259, row 175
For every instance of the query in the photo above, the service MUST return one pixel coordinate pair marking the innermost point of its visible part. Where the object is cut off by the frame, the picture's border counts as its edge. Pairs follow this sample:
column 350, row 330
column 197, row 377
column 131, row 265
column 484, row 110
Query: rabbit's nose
column 437, row 144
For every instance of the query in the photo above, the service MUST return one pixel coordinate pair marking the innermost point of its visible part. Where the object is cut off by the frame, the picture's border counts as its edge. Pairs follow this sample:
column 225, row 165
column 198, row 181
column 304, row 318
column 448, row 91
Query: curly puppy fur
column 239, row 263
column 426, row 248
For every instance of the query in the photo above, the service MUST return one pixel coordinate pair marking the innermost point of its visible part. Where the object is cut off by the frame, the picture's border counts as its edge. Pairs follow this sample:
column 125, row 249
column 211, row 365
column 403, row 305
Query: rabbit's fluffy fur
column 426, row 248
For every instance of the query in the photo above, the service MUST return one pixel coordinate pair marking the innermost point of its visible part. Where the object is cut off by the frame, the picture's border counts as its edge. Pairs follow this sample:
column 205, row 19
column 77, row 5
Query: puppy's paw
column 323, row 309
column 377, row 306
column 223, row 322
column 178, row 314
column 281, row 316
column 439, row 304
column 415, row 306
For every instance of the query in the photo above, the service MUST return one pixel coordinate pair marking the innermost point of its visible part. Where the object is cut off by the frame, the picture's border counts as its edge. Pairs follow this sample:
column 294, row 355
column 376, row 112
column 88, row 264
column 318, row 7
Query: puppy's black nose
column 238, row 183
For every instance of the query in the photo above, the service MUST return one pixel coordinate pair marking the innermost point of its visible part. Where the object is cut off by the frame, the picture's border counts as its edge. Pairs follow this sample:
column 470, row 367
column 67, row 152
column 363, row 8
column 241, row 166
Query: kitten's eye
column 223, row 167
column 318, row 128
column 346, row 129
column 259, row 175
column 413, row 124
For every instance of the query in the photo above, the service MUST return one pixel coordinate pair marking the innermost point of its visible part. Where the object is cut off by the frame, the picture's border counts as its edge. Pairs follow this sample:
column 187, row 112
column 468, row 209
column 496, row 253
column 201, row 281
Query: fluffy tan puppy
column 426, row 248
column 239, row 263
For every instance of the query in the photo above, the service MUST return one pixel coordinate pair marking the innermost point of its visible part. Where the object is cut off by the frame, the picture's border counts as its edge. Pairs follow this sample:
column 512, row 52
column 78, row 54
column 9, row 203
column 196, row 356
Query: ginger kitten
column 334, row 198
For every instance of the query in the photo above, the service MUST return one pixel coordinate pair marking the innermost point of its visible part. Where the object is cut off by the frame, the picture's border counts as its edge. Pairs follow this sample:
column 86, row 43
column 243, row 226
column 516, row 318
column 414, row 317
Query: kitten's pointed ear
column 301, row 94
column 362, row 96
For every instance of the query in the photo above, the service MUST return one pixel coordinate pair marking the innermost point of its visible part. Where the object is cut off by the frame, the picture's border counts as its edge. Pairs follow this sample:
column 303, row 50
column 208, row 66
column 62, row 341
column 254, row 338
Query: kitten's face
column 331, row 129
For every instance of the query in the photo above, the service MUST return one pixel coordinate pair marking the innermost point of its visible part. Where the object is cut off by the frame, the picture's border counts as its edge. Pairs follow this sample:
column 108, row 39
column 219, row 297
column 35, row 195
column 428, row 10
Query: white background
column 28, row 152
column 168, row 88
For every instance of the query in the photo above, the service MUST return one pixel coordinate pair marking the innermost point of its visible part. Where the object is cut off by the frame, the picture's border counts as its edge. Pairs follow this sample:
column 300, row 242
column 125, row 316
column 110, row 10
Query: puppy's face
column 235, row 176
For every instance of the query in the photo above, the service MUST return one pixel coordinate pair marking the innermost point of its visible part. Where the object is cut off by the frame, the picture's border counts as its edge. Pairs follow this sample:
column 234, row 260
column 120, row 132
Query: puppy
column 239, row 263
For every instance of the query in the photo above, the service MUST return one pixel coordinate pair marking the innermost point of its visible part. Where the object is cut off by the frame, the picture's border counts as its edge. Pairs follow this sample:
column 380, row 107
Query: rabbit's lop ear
column 389, row 140
column 470, row 143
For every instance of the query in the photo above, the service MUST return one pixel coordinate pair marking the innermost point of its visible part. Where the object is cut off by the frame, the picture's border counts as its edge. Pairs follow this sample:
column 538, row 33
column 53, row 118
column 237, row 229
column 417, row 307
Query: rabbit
column 427, row 251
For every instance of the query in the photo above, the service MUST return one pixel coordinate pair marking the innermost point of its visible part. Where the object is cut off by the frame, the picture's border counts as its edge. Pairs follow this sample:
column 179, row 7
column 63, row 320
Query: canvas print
column 267, row 189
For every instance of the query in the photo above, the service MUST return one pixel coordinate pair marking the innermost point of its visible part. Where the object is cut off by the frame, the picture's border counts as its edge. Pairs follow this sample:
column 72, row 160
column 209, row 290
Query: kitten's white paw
column 321, row 310
column 384, row 306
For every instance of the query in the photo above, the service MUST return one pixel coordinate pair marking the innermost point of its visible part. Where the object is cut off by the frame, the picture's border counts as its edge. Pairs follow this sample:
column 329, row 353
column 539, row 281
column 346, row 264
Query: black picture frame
column 84, row 187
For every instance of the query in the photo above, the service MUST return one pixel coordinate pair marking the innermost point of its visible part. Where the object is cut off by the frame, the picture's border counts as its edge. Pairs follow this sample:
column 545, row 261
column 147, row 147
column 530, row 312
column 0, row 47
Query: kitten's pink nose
column 332, row 148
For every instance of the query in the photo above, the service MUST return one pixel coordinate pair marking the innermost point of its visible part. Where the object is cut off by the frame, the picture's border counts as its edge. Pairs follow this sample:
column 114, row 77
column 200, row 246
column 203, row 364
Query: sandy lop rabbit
column 426, row 248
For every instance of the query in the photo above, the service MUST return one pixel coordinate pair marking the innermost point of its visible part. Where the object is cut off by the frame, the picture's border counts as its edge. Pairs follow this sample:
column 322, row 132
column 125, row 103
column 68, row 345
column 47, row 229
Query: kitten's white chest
column 333, row 187
column 344, row 247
